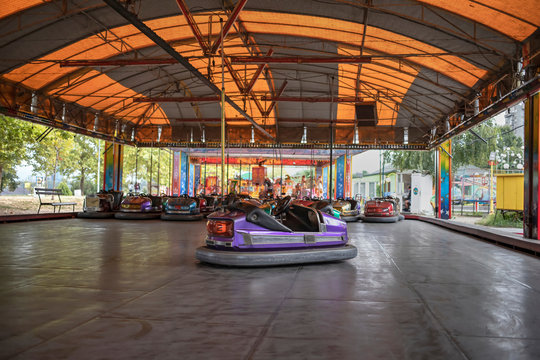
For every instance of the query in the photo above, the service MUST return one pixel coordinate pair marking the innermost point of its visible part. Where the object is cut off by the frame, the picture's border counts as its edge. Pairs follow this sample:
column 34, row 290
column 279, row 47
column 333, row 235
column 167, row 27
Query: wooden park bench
column 45, row 192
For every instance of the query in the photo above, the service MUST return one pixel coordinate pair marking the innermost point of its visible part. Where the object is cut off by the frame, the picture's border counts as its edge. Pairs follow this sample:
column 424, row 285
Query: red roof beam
column 69, row 63
column 346, row 99
column 281, row 120
column 237, row 80
column 193, row 25
column 176, row 99
column 241, row 85
column 258, row 73
column 228, row 25
column 279, row 93
column 247, row 161
column 300, row 59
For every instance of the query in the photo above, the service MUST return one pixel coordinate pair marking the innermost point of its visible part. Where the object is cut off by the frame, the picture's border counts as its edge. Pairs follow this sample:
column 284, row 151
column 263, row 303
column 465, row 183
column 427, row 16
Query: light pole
column 492, row 157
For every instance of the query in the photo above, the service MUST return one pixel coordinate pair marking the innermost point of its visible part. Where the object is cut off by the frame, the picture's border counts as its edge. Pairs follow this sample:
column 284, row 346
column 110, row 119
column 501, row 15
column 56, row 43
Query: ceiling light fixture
column 356, row 139
column 304, row 136
column 405, row 135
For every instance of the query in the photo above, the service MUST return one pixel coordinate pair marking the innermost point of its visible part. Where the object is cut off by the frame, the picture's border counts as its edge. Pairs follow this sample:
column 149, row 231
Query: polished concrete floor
column 88, row 289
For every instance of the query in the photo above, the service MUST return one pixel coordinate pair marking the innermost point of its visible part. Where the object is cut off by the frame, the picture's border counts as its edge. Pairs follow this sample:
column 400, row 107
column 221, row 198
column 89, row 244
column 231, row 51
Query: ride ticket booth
column 421, row 192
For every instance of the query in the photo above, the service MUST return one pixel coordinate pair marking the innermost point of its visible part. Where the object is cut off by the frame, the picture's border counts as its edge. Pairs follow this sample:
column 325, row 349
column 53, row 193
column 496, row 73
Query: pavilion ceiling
column 428, row 68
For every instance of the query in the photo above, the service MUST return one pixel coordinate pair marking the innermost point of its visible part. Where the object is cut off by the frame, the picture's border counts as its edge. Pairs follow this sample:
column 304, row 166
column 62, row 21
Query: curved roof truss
column 421, row 65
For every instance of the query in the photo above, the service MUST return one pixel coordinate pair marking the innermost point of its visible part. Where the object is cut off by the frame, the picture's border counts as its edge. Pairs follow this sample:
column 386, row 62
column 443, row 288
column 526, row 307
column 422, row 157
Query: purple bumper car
column 139, row 207
column 245, row 235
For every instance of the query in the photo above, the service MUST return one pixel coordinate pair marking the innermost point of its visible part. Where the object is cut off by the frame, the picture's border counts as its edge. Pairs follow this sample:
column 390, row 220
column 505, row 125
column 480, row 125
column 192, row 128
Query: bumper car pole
column 222, row 114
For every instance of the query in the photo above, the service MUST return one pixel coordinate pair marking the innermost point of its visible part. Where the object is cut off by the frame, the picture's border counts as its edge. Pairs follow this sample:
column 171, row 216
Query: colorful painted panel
column 445, row 184
column 191, row 177
column 108, row 167
column 348, row 177
column 334, row 181
column 258, row 174
column 340, row 177
column 112, row 166
column 197, row 187
column 184, row 173
column 119, row 167
column 325, row 183
column 176, row 174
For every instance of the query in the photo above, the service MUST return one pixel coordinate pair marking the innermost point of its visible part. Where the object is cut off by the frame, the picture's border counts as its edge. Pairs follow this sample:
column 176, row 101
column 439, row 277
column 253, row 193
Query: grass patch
column 512, row 220
column 469, row 214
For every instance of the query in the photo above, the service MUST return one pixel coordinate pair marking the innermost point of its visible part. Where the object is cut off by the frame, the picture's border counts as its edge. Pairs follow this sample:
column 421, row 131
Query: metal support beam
column 497, row 107
column 160, row 99
column 236, row 78
column 278, row 94
column 241, row 85
column 477, row 135
column 345, row 99
column 531, row 215
column 232, row 121
column 258, row 73
column 228, row 25
column 192, row 24
column 123, row 62
column 283, row 145
column 300, row 59
column 119, row 8
column 277, row 98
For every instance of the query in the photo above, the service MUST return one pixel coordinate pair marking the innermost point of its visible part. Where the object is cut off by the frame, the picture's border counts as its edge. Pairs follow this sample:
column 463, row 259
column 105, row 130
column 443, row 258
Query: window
column 372, row 189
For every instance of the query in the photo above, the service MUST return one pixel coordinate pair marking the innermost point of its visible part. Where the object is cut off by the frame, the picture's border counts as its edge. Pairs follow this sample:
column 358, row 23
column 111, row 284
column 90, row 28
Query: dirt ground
column 27, row 204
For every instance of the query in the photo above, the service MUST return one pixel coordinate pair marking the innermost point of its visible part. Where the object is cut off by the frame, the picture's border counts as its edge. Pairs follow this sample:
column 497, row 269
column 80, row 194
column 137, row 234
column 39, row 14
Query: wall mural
column 445, row 185
column 176, row 174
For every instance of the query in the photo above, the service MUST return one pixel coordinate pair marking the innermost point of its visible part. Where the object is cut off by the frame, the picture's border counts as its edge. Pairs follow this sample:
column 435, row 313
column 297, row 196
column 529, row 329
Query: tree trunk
column 1, row 176
column 54, row 171
column 81, row 183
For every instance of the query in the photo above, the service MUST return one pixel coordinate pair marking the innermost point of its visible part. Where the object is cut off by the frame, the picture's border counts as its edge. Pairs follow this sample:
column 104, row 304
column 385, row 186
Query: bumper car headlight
column 222, row 228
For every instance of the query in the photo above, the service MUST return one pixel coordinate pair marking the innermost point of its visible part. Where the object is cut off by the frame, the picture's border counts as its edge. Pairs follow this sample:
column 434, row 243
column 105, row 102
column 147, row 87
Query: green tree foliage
column 49, row 155
column 145, row 165
column 80, row 161
column 411, row 160
column 467, row 149
column 15, row 137
column 65, row 189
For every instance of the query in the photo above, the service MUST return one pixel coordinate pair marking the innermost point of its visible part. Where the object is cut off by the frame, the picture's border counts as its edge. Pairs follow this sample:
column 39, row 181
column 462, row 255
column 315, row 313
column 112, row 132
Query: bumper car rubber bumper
column 381, row 219
column 274, row 258
column 95, row 214
column 137, row 215
column 350, row 218
column 179, row 217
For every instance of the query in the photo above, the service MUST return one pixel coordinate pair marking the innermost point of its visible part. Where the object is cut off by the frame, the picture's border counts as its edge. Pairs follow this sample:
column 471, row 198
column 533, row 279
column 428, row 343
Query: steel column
column 531, row 218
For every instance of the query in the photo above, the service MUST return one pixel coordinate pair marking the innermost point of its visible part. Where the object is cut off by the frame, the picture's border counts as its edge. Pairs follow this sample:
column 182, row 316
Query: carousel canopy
column 398, row 74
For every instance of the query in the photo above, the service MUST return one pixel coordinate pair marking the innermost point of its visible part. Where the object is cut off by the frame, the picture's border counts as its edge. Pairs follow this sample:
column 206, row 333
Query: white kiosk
column 421, row 193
